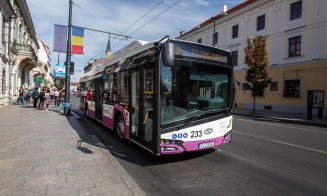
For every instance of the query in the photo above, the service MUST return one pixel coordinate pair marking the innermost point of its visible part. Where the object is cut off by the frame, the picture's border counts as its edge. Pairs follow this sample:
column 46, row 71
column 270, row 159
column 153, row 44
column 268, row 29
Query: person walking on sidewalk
column 20, row 100
column 47, row 99
column 35, row 96
column 62, row 97
column 56, row 97
column 41, row 98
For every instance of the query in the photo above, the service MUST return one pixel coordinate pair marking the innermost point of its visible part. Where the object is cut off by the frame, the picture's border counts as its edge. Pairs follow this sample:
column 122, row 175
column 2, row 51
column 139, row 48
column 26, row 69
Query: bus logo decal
column 208, row 131
column 180, row 135
column 174, row 136
column 184, row 135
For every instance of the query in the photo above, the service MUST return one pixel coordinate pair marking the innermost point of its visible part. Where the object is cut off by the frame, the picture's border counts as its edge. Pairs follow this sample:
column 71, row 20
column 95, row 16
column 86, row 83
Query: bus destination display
column 183, row 50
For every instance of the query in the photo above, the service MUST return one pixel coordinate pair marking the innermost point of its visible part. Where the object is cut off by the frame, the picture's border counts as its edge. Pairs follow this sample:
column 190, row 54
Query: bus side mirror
column 168, row 54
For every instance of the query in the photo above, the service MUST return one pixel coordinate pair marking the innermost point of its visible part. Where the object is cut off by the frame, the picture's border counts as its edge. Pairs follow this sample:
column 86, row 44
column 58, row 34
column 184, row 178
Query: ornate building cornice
column 8, row 9
column 25, row 13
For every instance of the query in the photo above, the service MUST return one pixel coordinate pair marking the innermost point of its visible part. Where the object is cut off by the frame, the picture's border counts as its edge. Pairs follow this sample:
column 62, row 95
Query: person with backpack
column 35, row 96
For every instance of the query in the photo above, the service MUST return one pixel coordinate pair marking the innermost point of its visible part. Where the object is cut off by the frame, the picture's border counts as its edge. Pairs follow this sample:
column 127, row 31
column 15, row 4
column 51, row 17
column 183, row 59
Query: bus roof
column 116, row 59
column 119, row 57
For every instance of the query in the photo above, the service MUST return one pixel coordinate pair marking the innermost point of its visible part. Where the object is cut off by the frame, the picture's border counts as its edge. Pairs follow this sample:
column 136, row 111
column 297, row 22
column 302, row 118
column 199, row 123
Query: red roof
column 219, row 16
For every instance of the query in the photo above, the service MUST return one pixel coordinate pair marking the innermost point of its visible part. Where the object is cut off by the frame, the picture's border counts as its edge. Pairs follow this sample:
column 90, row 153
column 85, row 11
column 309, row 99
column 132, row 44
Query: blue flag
column 60, row 38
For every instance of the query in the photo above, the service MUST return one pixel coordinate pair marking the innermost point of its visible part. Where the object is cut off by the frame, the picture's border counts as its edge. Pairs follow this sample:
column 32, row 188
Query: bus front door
column 142, row 106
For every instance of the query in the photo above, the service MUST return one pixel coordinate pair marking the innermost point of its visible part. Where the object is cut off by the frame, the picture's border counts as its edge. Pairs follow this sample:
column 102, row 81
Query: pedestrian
column 47, row 99
column 56, row 96
column 41, row 98
column 52, row 94
column 88, row 94
column 62, row 97
column 28, row 95
column 20, row 100
column 35, row 96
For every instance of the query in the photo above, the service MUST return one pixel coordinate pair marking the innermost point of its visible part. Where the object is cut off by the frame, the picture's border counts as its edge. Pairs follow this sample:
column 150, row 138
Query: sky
column 115, row 16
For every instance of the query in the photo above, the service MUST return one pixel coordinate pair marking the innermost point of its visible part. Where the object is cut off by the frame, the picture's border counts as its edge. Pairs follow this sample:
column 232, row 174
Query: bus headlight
column 164, row 141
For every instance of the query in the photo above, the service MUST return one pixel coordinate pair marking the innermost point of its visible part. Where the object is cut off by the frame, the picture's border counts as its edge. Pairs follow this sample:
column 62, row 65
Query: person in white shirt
column 56, row 95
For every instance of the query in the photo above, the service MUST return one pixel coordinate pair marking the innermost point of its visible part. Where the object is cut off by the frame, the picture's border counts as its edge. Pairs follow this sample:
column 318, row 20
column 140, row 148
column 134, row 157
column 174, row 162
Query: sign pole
column 68, row 59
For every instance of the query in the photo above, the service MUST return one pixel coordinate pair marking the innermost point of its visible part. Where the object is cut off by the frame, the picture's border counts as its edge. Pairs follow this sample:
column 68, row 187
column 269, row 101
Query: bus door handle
column 149, row 113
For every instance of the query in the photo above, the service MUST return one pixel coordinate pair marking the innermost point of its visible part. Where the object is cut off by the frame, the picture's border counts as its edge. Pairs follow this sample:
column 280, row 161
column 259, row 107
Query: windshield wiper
column 225, row 110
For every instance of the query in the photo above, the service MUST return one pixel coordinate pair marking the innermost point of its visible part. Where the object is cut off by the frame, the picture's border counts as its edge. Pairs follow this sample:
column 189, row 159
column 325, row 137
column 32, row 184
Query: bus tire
column 119, row 126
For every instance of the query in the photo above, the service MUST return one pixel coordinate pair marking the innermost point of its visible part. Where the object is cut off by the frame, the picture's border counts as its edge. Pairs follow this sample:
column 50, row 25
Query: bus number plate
column 206, row 145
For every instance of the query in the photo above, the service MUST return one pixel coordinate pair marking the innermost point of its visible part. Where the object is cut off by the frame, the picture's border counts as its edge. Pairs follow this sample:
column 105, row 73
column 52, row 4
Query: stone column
column 1, row 78
column 7, row 91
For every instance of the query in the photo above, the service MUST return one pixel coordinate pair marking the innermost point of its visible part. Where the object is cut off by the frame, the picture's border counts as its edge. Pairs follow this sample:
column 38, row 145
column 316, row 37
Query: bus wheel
column 120, row 128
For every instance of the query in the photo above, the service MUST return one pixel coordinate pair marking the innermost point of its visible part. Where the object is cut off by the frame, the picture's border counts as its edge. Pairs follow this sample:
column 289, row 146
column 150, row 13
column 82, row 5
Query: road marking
column 73, row 113
column 280, row 142
column 244, row 119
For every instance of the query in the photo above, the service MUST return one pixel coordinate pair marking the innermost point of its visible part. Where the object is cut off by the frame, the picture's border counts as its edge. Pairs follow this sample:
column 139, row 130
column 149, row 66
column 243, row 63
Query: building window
column 215, row 38
column 234, row 57
column 294, row 46
column 235, row 31
column 199, row 41
column 258, row 93
column 261, row 22
column 274, row 86
column 3, row 28
column 296, row 10
column 292, row 88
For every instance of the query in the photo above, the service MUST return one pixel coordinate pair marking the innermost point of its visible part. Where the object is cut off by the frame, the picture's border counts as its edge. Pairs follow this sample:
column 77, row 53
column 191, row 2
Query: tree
column 256, row 58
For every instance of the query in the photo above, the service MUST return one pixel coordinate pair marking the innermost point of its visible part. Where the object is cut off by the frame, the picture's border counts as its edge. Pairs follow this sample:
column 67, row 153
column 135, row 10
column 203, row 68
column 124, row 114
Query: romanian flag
column 77, row 40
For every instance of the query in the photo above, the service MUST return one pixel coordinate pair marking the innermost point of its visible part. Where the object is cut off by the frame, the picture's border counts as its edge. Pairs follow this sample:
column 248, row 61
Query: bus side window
column 116, row 88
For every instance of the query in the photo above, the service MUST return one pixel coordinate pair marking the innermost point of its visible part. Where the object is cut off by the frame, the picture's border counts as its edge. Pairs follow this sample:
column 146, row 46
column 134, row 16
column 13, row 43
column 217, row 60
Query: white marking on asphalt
column 280, row 142
column 73, row 113
column 325, row 132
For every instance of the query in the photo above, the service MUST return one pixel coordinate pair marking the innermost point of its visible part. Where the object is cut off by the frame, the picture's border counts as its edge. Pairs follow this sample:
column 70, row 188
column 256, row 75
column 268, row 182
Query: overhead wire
column 103, row 21
column 151, row 20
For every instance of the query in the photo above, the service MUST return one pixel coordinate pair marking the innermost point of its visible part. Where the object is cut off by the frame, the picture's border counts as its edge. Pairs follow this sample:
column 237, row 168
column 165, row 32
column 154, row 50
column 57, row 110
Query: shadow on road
column 128, row 151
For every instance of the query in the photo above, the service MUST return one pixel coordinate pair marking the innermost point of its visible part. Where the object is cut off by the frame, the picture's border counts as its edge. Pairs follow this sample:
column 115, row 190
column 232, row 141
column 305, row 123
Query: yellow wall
column 313, row 76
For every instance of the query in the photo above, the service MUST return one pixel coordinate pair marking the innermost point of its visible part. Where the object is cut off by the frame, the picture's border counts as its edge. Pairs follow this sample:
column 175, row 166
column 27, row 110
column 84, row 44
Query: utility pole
column 68, row 60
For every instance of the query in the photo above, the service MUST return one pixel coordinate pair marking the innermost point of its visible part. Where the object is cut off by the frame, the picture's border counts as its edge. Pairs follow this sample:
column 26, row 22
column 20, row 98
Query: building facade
column 296, row 37
column 42, row 72
column 6, row 13
column 24, row 60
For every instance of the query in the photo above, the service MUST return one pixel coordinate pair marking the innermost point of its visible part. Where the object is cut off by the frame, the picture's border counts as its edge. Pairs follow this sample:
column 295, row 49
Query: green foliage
column 256, row 58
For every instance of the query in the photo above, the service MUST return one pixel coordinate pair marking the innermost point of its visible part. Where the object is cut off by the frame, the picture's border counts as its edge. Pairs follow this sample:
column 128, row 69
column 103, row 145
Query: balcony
column 24, row 51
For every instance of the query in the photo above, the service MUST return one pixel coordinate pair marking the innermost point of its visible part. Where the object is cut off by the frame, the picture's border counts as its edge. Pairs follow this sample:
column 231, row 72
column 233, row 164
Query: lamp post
column 214, row 30
column 68, row 60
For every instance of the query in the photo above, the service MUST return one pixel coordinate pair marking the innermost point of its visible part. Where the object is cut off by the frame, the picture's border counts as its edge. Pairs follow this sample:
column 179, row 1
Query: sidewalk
column 283, row 116
column 45, row 153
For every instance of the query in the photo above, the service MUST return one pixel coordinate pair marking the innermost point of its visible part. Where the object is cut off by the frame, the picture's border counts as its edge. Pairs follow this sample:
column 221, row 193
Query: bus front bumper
column 181, row 146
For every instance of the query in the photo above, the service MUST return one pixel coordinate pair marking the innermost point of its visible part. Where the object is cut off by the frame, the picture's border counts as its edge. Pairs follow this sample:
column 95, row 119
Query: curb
column 295, row 121
column 126, row 178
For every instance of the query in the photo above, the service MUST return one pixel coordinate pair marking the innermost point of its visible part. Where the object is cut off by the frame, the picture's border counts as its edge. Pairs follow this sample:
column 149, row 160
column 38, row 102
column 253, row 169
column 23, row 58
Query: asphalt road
column 264, row 158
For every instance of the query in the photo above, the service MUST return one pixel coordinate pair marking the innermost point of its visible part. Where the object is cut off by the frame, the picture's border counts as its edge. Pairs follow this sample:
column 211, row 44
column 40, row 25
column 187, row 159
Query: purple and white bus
column 169, row 97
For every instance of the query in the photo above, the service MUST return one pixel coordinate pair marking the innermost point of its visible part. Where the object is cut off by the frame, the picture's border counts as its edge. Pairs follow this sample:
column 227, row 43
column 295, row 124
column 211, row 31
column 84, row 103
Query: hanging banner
column 60, row 38
column 77, row 40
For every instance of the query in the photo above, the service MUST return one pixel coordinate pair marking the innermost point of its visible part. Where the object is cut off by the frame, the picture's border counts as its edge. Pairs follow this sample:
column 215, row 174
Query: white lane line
column 73, row 113
column 244, row 119
column 280, row 142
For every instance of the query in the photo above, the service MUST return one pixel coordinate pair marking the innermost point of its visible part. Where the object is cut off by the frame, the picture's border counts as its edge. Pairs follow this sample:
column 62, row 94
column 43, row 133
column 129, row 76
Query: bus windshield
column 190, row 88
